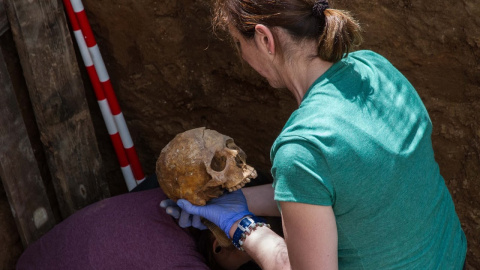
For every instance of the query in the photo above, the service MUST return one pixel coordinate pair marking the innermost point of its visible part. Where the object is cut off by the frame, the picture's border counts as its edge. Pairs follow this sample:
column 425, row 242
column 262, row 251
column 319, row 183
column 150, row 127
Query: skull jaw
column 232, row 179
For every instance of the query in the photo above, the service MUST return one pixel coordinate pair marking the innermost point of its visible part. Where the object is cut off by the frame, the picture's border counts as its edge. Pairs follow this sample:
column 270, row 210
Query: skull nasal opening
column 219, row 162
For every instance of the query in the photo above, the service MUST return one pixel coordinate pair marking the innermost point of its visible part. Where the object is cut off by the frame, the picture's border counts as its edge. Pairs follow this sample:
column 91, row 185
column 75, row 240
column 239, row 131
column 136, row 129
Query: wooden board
column 58, row 98
column 18, row 168
column 3, row 19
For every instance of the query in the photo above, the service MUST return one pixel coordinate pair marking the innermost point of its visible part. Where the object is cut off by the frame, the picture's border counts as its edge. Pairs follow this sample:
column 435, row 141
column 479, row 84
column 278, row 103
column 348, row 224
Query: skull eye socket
column 218, row 162
column 241, row 156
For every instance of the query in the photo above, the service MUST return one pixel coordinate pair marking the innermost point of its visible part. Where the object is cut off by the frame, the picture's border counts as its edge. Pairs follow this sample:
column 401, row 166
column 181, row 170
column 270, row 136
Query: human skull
column 199, row 164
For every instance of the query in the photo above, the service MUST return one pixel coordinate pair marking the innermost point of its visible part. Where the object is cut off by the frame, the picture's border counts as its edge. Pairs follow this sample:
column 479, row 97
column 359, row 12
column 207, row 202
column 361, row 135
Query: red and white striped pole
column 114, row 120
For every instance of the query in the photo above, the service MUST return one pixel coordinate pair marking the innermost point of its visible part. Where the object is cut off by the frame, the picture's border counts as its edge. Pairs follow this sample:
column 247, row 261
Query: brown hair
column 336, row 31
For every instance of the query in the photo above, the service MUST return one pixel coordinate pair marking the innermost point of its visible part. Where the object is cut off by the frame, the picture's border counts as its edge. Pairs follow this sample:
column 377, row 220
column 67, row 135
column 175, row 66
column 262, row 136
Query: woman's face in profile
column 256, row 58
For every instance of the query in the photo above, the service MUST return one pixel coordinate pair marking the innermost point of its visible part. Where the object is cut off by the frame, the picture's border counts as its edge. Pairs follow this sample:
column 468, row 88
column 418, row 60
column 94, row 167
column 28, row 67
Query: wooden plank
column 19, row 170
column 3, row 19
column 58, row 98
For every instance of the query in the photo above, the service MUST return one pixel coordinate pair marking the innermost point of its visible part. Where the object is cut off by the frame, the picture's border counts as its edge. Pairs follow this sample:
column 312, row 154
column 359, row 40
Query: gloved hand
column 184, row 218
column 223, row 211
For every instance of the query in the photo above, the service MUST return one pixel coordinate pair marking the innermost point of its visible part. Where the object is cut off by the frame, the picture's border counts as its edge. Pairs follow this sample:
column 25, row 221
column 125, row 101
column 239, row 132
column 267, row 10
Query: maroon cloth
column 128, row 231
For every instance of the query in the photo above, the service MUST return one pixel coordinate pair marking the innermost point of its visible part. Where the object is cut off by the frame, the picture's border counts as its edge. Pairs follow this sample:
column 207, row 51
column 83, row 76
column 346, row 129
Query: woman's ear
column 264, row 38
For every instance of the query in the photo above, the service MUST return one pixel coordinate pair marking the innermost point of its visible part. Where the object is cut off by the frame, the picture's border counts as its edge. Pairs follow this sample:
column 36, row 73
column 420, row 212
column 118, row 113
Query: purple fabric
column 128, row 231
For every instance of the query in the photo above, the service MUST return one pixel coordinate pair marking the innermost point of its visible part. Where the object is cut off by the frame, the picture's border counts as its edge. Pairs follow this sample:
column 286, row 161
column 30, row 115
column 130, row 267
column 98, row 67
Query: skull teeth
column 240, row 185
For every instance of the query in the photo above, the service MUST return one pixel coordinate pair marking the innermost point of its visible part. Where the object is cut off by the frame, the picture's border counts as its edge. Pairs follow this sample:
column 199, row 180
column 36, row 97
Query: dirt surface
column 172, row 74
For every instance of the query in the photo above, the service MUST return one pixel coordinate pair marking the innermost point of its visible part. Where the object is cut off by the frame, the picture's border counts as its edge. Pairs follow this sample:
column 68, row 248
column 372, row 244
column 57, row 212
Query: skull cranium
column 199, row 164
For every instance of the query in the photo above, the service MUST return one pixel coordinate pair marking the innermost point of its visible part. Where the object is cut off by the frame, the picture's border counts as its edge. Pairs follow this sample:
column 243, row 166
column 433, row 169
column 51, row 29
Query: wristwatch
column 245, row 227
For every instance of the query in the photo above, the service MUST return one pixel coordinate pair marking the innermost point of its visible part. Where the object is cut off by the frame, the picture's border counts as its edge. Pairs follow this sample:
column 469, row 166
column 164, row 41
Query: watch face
column 243, row 225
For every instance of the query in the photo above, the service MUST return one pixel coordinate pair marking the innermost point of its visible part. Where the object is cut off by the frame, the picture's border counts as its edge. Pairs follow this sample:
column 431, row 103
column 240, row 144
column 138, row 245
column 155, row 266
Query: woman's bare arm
column 310, row 240
column 311, row 235
column 260, row 200
column 266, row 248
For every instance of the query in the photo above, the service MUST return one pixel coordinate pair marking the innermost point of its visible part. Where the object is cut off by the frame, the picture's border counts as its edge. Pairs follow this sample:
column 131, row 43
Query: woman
column 355, row 177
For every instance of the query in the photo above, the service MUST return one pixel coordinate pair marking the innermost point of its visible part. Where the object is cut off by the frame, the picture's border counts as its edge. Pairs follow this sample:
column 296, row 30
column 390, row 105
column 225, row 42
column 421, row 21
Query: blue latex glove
column 223, row 211
column 184, row 218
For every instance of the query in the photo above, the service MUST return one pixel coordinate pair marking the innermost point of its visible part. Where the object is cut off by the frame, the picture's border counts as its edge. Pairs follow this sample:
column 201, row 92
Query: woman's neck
column 300, row 75
column 301, row 67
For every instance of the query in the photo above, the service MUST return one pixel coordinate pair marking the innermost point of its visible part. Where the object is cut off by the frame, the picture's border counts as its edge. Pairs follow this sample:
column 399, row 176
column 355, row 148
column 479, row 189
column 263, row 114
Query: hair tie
column 319, row 7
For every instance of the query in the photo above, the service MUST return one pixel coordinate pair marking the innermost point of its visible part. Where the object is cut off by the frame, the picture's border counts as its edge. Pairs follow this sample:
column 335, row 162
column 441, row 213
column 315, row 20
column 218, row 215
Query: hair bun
column 319, row 7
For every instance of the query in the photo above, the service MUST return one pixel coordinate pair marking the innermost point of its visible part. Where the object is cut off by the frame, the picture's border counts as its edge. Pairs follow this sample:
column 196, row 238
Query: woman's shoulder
column 367, row 56
column 365, row 53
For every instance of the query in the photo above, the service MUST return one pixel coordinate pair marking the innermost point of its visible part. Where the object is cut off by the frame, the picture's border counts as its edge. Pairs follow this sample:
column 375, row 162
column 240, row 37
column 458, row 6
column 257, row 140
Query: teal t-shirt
column 360, row 142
